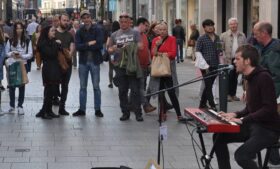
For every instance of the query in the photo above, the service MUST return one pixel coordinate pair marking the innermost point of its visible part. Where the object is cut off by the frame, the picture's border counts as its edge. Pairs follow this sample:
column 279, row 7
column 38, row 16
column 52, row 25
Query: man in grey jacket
column 232, row 39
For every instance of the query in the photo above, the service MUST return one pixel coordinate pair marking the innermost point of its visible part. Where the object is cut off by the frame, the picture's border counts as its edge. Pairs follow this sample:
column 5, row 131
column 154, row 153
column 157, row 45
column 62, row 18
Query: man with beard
column 259, row 121
column 67, row 41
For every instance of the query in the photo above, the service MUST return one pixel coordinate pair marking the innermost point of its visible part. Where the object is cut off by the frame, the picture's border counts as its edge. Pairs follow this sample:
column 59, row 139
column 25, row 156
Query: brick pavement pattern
column 70, row 142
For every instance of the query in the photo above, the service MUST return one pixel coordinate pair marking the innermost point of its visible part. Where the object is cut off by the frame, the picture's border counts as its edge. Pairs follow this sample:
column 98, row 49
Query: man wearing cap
column 207, row 48
column 89, row 42
column 119, row 42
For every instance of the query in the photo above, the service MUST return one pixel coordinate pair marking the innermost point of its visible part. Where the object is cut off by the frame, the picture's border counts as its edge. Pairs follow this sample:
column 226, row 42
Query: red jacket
column 168, row 46
column 143, row 54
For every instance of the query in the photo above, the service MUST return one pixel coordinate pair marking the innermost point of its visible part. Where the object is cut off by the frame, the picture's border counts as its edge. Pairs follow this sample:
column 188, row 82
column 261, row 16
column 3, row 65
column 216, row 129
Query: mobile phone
column 119, row 45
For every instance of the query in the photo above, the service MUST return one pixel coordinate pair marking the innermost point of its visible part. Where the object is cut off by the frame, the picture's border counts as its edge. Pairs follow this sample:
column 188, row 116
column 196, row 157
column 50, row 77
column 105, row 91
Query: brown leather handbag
column 63, row 59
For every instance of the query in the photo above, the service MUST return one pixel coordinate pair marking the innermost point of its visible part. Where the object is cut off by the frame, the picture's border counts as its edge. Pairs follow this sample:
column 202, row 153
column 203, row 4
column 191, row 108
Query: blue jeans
column 179, row 48
column 94, row 70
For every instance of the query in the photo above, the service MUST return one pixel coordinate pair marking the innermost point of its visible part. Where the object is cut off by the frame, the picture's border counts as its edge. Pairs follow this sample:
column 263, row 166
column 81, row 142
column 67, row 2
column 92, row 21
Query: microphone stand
column 162, row 111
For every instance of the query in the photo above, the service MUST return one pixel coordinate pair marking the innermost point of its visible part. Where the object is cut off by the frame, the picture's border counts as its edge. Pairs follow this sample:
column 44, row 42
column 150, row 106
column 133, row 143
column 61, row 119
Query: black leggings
column 50, row 91
column 167, row 82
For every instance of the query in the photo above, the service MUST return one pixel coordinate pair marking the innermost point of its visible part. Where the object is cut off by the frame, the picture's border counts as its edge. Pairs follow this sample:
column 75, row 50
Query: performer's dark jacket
column 261, row 106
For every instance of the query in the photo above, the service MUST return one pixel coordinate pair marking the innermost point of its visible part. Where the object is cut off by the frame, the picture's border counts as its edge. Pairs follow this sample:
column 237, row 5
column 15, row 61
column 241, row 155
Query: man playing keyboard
column 259, row 120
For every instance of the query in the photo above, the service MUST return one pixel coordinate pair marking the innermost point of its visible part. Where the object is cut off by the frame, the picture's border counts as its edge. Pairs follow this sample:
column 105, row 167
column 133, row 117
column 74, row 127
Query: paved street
column 84, row 142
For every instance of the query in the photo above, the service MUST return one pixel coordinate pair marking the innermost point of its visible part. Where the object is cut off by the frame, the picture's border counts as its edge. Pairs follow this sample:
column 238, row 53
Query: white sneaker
column 11, row 110
column 20, row 111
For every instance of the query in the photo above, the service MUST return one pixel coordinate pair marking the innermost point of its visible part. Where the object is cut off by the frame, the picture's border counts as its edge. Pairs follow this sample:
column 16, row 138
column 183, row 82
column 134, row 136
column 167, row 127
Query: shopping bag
column 14, row 74
column 23, row 73
column 160, row 66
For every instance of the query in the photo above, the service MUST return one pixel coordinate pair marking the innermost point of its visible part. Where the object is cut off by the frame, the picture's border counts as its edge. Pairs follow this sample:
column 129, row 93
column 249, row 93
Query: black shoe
column 40, row 113
column 203, row 106
column 55, row 101
column 63, row 112
column 139, row 118
column 53, row 115
column 274, row 157
column 79, row 113
column 182, row 60
column 182, row 119
column 110, row 85
column 2, row 88
column 46, row 116
column 98, row 113
column 168, row 106
column 125, row 117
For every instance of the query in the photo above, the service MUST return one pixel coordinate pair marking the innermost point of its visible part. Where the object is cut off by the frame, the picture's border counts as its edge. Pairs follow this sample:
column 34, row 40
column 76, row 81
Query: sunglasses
column 124, row 16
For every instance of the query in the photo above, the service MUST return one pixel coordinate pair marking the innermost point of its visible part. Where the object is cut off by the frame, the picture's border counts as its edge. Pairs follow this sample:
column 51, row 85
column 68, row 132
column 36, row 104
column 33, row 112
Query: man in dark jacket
column 89, row 42
column 259, row 121
column 179, row 32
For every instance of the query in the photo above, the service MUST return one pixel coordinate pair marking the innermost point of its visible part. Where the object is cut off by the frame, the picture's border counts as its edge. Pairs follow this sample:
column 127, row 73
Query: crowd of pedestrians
column 59, row 44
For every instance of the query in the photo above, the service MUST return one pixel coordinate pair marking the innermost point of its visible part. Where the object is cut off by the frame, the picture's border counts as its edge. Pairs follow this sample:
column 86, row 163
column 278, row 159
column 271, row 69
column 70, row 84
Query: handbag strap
column 158, row 47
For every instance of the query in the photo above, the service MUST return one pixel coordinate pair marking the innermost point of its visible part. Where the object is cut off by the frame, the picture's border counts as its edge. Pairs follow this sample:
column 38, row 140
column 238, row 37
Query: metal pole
column 134, row 11
column 223, row 88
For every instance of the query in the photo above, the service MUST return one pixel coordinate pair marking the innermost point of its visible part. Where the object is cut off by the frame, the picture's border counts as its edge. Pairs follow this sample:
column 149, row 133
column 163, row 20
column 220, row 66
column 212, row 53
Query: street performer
column 259, row 121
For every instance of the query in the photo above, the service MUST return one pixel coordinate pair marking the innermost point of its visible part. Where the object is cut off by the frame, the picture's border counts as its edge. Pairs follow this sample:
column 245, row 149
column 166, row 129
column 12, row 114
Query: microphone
column 229, row 67
column 218, row 71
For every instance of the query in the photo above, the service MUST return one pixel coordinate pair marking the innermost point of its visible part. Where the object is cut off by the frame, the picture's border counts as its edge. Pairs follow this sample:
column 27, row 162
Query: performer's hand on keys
column 236, row 120
column 227, row 116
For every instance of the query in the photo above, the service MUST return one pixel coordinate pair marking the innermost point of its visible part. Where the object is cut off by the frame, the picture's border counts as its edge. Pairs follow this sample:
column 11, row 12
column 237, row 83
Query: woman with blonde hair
column 165, row 44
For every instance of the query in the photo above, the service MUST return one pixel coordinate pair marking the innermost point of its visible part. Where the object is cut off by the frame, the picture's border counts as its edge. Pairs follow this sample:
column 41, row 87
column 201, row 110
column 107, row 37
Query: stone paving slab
column 85, row 142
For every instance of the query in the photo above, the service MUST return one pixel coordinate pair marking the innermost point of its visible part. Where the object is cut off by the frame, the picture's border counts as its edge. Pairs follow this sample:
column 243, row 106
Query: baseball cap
column 84, row 12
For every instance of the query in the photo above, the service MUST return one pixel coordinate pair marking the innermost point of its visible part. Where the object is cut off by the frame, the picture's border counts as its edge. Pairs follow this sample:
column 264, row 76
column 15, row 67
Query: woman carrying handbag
column 165, row 45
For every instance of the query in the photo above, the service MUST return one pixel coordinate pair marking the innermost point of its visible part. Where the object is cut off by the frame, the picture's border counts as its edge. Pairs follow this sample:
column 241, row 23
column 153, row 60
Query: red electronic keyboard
column 211, row 122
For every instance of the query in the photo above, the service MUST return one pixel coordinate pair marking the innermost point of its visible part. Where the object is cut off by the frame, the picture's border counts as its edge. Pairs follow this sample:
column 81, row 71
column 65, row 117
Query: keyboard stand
column 205, row 158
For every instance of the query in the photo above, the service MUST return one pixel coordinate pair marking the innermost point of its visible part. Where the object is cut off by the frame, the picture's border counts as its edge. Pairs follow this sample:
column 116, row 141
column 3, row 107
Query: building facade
column 195, row 11
column 3, row 4
column 52, row 7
